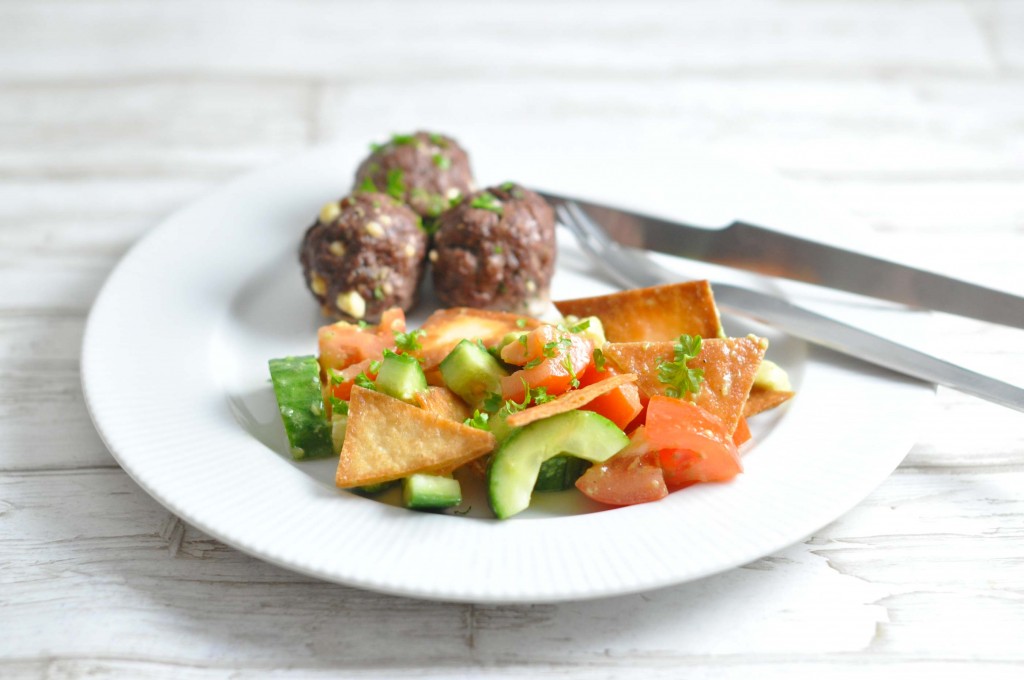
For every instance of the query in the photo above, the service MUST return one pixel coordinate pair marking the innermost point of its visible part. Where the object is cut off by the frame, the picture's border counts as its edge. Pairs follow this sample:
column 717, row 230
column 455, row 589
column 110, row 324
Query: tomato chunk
column 693, row 445
column 620, row 405
column 343, row 344
column 551, row 359
column 631, row 476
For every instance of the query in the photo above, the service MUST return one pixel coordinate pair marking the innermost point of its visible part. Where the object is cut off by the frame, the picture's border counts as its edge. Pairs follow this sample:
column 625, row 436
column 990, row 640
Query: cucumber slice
column 513, row 471
column 339, row 424
column 430, row 492
column 560, row 473
column 296, row 383
column 400, row 376
column 472, row 373
column 374, row 489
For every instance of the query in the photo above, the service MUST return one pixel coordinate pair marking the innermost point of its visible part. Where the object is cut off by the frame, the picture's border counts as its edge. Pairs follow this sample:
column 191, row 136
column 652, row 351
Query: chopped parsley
column 498, row 250
column 599, row 359
column 479, row 421
column 567, row 363
column 335, row 376
column 551, row 348
column 439, row 140
column 402, row 140
column 442, row 161
column 492, row 402
column 409, row 342
column 521, row 323
column 541, row 396
column 368, row 185
column 362, row 325
column 363, row 381
column 580, row 327
column 512, row 406
column 681, row 379
column 378, row 293
column 487, row 201
column 375, row 365
column 396, row 183
column 375, row 147
column 339, row 406
column 533, row 363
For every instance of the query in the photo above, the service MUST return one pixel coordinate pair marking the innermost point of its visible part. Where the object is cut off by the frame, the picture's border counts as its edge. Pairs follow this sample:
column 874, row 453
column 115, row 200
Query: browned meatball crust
column 426, row 171
column 496, row 250
column 364, row 255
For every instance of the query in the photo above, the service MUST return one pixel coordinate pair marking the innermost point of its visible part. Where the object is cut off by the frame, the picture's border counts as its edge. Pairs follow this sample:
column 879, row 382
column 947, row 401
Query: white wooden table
column 909, row 115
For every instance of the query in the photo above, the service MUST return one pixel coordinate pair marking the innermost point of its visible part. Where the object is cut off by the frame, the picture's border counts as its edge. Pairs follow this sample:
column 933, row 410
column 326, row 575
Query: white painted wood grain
column 44, row 40
column 124, row 581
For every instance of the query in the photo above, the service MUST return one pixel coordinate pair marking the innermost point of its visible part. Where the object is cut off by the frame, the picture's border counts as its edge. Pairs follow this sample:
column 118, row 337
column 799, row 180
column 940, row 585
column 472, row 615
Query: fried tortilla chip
column 446, row 327
column 652, row 314
column 388, row 439
column 441, row 401
column 570, row 401
column 764, row 399
column 729, row 366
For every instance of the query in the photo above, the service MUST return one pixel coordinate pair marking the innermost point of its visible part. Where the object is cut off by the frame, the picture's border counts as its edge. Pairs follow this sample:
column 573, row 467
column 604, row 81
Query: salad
column 627, row 398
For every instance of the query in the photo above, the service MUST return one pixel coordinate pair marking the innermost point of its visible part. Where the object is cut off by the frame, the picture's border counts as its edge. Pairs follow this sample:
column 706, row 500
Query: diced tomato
column 391, row 321
column 619, row 405
column 741, row 434
column 562, row 356
column 343, row 344
column 631, row 476
column 693, row 445
column 341, row 386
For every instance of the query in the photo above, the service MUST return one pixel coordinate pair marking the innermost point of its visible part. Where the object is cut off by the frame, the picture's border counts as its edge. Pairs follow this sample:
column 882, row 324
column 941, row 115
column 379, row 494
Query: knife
column 746, row 246
column 632, row 268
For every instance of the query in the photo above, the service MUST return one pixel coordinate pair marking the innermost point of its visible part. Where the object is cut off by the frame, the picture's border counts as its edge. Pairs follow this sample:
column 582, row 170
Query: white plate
column 174, row 373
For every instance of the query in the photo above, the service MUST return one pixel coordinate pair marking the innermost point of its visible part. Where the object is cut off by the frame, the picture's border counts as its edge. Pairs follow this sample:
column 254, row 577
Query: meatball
column 426, row 171
column 496, row 250
column 364, row 255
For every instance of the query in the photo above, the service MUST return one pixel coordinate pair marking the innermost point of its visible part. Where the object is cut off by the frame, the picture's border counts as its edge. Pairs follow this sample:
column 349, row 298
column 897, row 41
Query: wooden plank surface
column 909, row 116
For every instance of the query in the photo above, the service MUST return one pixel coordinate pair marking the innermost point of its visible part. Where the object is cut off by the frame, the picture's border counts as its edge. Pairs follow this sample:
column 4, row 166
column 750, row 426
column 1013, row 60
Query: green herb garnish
column 492, row 402
column 339, row 406
column 396, row 183
column 551, row 348
column 368, row 186
column 541, row 396
column 479, row 421
column 580, row 327
column 567, row 363
column 442, row 161
column 487, row 201
column 400, row 140
column 599, row 359
column 409, row 342
column 682, row 380
column 521, row 323
column 362, row 380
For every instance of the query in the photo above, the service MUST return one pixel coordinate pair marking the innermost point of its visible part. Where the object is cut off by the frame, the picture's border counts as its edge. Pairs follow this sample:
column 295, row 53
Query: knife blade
column 746, row 246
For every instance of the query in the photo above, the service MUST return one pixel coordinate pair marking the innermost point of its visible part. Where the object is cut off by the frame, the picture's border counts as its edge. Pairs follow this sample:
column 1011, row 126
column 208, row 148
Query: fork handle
column 860, row 344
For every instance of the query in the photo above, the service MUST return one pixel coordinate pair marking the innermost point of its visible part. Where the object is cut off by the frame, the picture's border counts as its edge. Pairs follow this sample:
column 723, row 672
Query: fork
column 631, row 268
